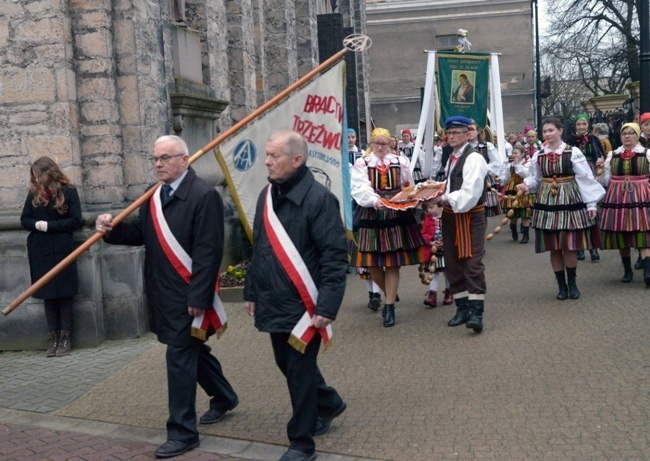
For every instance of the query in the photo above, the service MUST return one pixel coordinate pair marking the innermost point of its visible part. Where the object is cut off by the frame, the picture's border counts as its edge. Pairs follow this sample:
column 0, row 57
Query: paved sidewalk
column 546, row 380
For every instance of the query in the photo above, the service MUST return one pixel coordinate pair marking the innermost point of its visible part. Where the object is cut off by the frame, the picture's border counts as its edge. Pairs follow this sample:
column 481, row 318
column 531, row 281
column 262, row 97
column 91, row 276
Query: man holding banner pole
column 296, row 282
column 182, row 229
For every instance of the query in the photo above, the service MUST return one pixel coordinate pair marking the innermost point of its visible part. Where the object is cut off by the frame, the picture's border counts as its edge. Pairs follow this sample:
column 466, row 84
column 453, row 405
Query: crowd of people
column 575, row 191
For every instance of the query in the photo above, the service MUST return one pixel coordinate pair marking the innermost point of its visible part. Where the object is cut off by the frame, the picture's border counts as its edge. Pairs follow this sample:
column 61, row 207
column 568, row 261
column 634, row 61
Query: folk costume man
column 181, row 227
column 463, row 225
column 296, row 283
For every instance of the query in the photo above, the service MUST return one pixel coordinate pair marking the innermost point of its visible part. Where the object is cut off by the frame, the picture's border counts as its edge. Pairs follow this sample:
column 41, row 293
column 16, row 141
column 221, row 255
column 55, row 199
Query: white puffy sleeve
column 405, row 168
column 606, row 176
column 362, row 191
column 590, row 190
column 474, row 172
column 436, row 164
column 494, row 166
column 534, row 177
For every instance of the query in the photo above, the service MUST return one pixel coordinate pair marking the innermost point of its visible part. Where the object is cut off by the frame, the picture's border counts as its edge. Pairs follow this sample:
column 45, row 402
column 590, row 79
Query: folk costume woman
column 384, row 239
column 592, row 149
column 495, row 162
column 512, row 175
column 625, row 210
column 564, row 213
column 406, row 148
column 52, row 212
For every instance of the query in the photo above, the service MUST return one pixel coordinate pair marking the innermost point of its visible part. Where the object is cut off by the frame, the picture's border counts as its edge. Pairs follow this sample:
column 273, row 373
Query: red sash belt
column 463, row 239
column 214, row 317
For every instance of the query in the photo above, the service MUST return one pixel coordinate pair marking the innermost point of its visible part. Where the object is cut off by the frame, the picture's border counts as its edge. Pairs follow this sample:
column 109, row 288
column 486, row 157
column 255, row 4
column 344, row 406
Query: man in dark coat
column 308, row 215
column 193, row 211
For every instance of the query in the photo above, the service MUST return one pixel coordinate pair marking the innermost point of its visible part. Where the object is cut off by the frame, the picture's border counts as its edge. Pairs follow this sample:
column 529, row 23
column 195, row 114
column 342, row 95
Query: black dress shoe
column 594, row 255
column 581, row 255
column 323, row 423
column 214, row 416
column 172, row 448
column 296, row 455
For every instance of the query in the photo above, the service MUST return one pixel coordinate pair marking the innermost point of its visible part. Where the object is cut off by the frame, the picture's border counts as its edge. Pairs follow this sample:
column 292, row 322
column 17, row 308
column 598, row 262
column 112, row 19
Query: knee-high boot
column 574, row 293
column 627, row 267
column 563, row 292
column 513, row 229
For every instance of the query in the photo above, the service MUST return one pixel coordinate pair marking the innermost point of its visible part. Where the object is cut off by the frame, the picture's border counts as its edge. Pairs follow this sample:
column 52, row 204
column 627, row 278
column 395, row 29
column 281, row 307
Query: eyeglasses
column 379, row 144
column 627, row 133
column 455, row 133
column 163, row 158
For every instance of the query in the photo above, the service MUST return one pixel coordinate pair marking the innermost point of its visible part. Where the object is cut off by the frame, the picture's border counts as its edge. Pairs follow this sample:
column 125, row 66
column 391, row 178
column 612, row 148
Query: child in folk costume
column 564, row 214
column 625, row 210
column 384, row 239
column 518, row 206
column 374, row 295
column 431, row 269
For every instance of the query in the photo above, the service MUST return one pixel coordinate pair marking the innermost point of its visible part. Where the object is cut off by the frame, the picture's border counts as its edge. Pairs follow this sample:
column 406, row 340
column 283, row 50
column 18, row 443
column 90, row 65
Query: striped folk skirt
column 560, row 218
column 492, row 203
column 625, row 213
column 386, row 238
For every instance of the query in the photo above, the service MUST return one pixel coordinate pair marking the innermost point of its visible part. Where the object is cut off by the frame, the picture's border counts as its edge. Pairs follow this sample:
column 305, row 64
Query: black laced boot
column 374, row 301
column 574, row 293
column 627, row 267
column 513, row 229
column 475, row 321
column 594, row 255
column 639, row 262
column 581, row 255
column 462, row 313
column 389, row 318
column 524, row 230
column 53, row 344
column 561, row 283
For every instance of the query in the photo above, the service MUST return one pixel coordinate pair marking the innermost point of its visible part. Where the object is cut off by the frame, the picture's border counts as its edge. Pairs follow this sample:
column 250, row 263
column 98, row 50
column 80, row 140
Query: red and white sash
column 182, row 263
column 295, row 267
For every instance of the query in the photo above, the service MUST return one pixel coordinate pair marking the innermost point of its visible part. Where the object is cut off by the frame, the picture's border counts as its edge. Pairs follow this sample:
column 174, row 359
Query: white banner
column 316, row 112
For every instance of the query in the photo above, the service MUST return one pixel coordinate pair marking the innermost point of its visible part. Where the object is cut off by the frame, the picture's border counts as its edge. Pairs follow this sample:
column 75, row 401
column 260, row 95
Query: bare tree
column 602, row 36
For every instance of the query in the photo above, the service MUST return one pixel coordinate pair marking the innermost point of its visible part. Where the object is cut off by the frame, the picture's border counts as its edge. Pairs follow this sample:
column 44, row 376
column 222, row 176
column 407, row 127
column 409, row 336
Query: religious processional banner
column 463, row 81
column 316, row 111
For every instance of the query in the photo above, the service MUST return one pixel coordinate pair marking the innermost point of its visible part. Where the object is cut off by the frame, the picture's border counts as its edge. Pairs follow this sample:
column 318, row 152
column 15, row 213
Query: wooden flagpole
column 144, row 197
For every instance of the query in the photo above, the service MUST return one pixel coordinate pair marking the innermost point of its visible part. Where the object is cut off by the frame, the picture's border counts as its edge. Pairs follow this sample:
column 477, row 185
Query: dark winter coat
column 195, row 216
column 310, row 215
column 46, row 249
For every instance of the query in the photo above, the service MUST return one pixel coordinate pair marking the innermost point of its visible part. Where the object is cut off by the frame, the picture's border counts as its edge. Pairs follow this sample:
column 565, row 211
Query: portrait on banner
column 463, row 92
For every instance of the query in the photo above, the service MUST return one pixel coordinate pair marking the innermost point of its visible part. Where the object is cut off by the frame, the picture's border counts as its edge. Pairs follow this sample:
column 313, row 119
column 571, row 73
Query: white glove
column 41, row 226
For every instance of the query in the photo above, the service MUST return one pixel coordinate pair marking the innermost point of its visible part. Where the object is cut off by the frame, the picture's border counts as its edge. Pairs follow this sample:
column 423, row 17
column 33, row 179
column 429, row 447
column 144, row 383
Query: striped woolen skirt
column 386, row 238
column 492, row 203
column 560, row 218
column 625, row 213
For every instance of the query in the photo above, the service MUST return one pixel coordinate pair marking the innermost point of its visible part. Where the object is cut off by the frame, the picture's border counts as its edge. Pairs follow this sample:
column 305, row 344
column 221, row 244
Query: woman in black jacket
column 52, row 212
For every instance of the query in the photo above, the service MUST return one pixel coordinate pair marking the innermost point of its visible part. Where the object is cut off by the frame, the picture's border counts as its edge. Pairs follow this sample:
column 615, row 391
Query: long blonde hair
column 47, row 183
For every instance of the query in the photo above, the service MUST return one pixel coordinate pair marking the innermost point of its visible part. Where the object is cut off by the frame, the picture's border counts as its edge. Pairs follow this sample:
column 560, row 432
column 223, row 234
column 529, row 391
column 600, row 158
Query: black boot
column 462, row 313
column 639, row 262
column 627, row 267
column 524, row 230
column 475, row 321
column 513, row 228
column 561, row 283
column 374, row 301
column 646, row 271
column 594, row 255
column 574, row 293
column 581, row 255
column 389, row 318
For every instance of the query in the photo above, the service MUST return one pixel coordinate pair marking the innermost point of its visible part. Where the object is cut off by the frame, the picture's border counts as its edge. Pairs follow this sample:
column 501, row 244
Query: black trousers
column 58, row 313
column 310, row 396
column 187, row 365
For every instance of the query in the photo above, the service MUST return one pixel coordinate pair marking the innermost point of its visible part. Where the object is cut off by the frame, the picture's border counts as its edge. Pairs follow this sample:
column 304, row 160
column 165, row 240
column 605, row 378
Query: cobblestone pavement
column 546, row 380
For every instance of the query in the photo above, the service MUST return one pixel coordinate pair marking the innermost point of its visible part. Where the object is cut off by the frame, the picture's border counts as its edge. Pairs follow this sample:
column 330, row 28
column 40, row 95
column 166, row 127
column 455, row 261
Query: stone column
column 307, row 36
column 280, row 44
column 241, row 57
column 101, row 137
column 259, row 22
